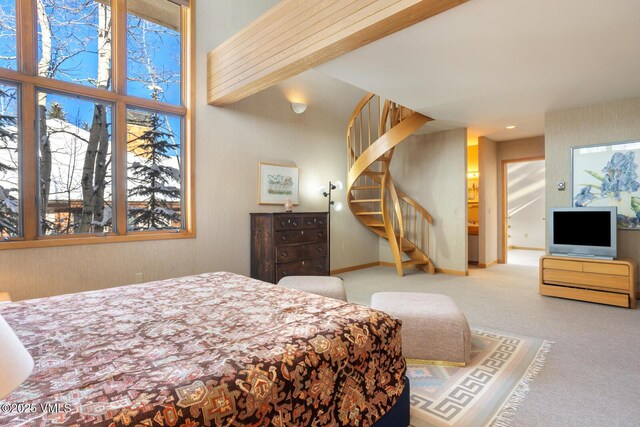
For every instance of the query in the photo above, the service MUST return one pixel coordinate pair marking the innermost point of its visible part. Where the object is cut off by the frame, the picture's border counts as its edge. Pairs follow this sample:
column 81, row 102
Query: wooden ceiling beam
column 297, row 35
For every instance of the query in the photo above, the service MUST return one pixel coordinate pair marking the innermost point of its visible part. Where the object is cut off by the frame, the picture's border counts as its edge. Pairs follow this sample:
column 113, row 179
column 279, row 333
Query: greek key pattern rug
column 484, row 393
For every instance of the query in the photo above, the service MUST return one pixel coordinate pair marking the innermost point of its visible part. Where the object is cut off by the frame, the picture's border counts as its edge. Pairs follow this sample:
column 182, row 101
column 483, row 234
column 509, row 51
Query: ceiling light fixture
column 298, row 107
column 511, row 127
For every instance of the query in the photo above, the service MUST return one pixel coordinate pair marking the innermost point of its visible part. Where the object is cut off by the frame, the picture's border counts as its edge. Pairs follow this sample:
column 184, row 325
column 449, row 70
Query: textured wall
column 592, row 125
column 488, row 231
column 229, row 143
column 432, row 170
column 515, row 149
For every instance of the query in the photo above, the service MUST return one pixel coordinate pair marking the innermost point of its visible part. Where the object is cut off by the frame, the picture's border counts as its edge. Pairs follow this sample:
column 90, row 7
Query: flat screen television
column 583, row 232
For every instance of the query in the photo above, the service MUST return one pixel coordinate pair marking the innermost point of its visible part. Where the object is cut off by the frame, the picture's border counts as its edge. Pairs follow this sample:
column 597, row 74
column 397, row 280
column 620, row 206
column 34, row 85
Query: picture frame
column 277, row 183
column 473, row 189
column 608, row 175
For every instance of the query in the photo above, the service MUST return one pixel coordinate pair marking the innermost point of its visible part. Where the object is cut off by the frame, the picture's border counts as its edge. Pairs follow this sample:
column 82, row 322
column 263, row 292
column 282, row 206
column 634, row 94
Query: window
column 9, row 162
column 8, row 57
column 106, row 85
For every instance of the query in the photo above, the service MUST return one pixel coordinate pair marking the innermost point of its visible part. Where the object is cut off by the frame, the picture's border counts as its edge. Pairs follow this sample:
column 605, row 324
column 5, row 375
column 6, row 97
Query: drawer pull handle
column 284, row 254
column 302, row 262
column 320, row 234
column 319, row 266
column 309, row 222
column 295, row 223
column 283, row 223
column 319, row 248
column 284, row 273
column 283, row 237
column 302, row 232
column 321, row 222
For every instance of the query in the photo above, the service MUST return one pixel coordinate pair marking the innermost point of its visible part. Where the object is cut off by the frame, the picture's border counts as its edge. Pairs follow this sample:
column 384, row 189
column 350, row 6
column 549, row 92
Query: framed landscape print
column 277, row 183
column 607, row 175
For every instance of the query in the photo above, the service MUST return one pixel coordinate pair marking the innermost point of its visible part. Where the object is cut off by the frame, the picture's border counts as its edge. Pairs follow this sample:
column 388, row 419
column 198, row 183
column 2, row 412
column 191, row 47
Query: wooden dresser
column 288, row 244
column 594, row 280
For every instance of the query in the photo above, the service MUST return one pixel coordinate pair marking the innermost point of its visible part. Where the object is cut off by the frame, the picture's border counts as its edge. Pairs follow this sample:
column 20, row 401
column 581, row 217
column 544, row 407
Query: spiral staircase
column 375, row 128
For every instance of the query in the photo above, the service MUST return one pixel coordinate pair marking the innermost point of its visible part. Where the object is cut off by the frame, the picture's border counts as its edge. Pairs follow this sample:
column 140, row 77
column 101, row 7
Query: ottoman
column 433, row 327
column 327, row 286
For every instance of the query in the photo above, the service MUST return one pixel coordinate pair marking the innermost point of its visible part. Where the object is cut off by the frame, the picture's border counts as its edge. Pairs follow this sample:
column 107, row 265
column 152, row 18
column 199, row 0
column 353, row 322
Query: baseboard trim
column 354, row 268
column 392, row 265
column 525, row 248
column 452, row 272
column 487, row 265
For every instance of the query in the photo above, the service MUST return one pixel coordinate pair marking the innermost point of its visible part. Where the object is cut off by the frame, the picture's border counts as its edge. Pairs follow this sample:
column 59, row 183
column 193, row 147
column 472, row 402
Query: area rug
column 484, row 393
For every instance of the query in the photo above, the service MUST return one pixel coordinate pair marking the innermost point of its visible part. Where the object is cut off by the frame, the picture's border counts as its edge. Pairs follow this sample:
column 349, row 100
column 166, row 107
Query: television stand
column 610, row 282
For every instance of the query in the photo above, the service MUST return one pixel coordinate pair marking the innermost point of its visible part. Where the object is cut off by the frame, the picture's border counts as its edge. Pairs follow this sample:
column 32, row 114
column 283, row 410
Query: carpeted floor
column 592, row 374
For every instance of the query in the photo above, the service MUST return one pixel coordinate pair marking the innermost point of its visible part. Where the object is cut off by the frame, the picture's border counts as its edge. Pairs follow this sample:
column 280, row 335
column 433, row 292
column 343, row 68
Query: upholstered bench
column 326, row 286
column 434, row 329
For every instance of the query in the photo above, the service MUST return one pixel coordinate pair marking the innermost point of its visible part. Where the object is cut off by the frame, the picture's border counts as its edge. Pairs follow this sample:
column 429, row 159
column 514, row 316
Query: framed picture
column 473, row 190
column 607, row 175
column 277, row 183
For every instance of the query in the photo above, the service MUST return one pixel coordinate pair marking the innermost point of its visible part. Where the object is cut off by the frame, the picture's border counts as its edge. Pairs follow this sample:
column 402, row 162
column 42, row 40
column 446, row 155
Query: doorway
column 523, row 206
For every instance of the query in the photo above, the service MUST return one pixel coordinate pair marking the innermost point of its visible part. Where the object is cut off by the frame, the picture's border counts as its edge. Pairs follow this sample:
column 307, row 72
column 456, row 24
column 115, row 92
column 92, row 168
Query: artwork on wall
column 277, row 184
column 607, row 175
column 473, row 187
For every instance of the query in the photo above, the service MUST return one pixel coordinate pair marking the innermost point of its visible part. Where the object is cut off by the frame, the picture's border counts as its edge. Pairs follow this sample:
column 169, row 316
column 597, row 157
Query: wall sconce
column 473, row 174
column 298, row 107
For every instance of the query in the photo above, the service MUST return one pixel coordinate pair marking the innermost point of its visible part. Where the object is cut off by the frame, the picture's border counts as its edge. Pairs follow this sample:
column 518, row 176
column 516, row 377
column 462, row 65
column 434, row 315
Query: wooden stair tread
column 365, row 200
column 372, row 173
column 366, row 187
column 368, row 213
column 416, row 262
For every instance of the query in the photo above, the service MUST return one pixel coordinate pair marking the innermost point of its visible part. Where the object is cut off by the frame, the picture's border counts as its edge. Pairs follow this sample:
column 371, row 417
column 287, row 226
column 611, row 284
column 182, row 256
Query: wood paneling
column 295, row 36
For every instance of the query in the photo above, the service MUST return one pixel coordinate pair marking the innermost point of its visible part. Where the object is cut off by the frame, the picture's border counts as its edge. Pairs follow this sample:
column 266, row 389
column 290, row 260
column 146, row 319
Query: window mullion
column 119, row 46
column 120, row 172
column 119, row 76
column 27, row 37
column 29, row 162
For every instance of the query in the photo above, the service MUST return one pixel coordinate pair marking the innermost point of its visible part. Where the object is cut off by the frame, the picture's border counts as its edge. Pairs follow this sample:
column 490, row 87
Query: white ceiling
column 488, row 64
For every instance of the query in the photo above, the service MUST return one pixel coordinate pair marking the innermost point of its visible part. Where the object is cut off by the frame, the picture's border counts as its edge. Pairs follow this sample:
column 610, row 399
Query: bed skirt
column 399, row 414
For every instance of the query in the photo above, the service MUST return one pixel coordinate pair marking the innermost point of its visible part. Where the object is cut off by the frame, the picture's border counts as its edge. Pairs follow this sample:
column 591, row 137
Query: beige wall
column 592, row 125
column 516, row 149
column 488, row 230
column 432, row 170
column 229, row 143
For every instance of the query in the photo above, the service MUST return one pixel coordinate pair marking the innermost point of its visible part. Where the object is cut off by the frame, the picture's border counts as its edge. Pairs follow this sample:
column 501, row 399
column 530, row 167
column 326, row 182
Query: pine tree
column 152, row 184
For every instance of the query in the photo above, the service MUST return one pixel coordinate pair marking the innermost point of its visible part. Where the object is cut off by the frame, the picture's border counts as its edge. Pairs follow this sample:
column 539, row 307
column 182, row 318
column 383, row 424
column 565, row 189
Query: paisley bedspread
column 215, row 349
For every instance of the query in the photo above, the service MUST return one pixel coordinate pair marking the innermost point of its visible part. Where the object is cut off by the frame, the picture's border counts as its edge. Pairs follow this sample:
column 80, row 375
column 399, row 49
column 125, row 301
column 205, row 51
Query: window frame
column 29, row 82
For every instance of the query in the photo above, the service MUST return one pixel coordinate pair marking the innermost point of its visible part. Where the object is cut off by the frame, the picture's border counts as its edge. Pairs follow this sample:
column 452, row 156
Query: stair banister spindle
column 372, row 195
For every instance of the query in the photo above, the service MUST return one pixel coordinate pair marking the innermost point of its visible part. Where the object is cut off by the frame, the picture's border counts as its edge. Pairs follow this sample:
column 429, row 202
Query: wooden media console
column 610, row 282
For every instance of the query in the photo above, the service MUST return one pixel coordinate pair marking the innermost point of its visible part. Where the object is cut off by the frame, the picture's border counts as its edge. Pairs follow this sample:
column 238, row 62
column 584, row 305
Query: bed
column 216, row 349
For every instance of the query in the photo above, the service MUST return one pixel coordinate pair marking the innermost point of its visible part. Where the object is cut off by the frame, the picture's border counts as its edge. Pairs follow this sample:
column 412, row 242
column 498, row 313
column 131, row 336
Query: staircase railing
column 375, row 128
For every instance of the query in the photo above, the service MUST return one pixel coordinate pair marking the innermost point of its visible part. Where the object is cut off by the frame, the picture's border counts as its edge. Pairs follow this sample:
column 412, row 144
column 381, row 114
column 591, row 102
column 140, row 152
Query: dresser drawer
column 310, row 222
column 561, row 264
column 302, row 236
column 287, row 223
column 287, row 253
column 602, row 268
column 308, row 267
column 595, row 280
